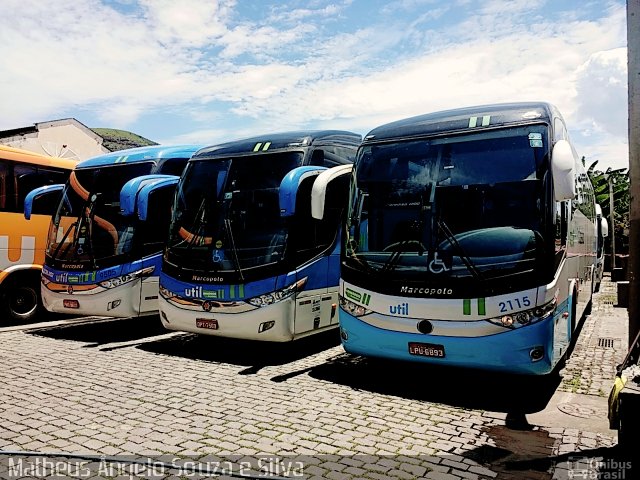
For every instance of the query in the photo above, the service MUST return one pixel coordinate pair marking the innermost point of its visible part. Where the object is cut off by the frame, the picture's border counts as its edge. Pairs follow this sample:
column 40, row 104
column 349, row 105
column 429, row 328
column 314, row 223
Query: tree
column 600, row 181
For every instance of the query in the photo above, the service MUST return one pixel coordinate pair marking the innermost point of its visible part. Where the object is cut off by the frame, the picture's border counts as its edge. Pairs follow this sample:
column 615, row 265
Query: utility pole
column 613, row 224
column 633, row 52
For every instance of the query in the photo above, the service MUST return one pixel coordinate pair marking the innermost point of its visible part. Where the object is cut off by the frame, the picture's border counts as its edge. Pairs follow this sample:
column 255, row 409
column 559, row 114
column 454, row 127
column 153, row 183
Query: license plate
column 426, row 350
column 207, row 323
column 71, row 304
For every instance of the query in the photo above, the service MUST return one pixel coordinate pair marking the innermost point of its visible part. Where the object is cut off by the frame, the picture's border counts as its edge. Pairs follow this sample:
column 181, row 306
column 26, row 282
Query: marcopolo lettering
column 426, row 291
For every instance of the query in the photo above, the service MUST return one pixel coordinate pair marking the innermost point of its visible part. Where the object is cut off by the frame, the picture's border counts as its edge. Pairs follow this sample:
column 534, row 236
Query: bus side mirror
column 145, row 202
column 604, row 227
column 130, row 191
column 39, row 194
column 563, row 171
column 289, row 187
column 319, row 189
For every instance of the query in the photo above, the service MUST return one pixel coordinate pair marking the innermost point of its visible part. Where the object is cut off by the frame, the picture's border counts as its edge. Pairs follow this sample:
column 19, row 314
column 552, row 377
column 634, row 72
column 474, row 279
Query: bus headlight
column 129, row 277
column 277, row 296
column 353, row 308
column 526, row 317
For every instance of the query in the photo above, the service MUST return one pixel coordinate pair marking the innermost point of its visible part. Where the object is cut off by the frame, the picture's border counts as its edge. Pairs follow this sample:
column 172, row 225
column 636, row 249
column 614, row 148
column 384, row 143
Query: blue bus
column 105, row 240
column 245, row 258
column 470, row 240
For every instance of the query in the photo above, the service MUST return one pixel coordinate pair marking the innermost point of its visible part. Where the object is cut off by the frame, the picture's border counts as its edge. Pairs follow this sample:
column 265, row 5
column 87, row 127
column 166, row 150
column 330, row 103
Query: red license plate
column 71, row 304
column 426, row 350
column 207, row 323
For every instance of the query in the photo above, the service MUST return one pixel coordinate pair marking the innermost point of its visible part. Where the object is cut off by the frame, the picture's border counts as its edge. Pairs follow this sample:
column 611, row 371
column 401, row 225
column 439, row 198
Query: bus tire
column 21, row 298
column 574, row 312
column 589, row 307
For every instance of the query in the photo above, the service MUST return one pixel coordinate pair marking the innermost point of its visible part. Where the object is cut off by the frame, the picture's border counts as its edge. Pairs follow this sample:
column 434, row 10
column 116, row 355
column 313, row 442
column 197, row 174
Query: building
column 69, row 138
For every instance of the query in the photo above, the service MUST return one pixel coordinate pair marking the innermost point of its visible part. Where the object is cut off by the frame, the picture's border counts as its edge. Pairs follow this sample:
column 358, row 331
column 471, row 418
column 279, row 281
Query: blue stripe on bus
column 89, row 277
column 315, row 272
column 507, row 351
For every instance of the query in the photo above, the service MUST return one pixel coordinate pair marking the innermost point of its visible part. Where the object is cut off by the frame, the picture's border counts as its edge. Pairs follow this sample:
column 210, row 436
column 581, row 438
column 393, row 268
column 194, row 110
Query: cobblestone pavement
column 601, row 346
column 126, row 390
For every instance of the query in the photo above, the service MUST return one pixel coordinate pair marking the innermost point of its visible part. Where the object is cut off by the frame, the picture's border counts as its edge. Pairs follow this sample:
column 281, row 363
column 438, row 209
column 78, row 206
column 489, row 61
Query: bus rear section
column 22, row 242
column 105, row 240
column 470, row 240
column 602, row 232
column 245, row 257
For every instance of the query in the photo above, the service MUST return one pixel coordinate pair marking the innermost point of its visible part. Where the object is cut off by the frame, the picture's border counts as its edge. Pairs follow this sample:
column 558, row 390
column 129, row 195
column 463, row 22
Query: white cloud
column 289, row 69
column 601, row 86
column 189, row 22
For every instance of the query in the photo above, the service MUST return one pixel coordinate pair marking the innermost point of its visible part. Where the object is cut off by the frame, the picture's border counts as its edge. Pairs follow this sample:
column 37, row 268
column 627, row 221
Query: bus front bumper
column 269, row 323
column 121, row 301
column 510, row 351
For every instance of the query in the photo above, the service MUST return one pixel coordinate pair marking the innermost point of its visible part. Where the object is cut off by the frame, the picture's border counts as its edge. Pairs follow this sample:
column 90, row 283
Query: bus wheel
column 22, row 301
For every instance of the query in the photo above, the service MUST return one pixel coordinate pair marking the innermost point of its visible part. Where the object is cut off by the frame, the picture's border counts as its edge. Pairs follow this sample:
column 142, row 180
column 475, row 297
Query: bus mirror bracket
column 142, row 204
column 36, row 193
column 289, row 187
column 563, row 171
column 319, row 189
column 130, row 191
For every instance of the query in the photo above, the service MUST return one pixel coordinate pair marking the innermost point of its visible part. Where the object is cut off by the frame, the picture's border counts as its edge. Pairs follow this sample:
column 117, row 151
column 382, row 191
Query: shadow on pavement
column 465, row 388
column 252, row 354
column 105, row 331
column 42, row 317
column 529, row 455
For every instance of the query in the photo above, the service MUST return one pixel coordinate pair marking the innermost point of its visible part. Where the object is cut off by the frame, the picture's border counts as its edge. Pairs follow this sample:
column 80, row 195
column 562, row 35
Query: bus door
column 149, row 198
column 306, row 250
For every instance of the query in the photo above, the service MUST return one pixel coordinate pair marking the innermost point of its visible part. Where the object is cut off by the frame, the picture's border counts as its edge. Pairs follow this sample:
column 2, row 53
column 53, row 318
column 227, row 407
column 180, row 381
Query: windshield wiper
column 461, row 253
column 64, row 237
column 196, row 226
column 89, row 204
column 227, row 224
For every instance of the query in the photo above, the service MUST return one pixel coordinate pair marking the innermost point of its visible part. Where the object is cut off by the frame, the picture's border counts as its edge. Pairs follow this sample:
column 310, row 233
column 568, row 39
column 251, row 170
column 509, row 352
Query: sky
column 210, row 71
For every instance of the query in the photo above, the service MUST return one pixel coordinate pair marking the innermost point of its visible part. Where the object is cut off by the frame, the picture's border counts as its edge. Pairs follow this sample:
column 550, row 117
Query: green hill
column 120, row 139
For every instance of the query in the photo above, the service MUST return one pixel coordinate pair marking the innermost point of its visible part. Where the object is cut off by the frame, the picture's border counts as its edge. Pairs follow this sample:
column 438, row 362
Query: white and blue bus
column 245, row 258
column 470, row 240
column 105, row 240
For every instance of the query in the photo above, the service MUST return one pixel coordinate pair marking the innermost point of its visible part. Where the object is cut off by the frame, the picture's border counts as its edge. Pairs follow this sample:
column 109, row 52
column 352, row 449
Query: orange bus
column 22, row 241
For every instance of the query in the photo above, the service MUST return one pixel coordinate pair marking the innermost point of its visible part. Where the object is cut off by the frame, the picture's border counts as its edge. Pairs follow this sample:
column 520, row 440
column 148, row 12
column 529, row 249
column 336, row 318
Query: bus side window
column 28, row 177
column 4, row 173
column 561, row 222
column 173, row 166
column 331, row 156
column 46, row 204
column 155, row 230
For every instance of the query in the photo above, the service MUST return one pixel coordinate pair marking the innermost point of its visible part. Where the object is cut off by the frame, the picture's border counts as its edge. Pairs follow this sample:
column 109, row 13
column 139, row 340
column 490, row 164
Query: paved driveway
column 129, row 390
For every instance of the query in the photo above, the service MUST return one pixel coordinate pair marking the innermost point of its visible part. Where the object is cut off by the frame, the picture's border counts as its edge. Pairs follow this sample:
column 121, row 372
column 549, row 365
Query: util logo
column 401, row 309
column 195, row 292
column 27, row 252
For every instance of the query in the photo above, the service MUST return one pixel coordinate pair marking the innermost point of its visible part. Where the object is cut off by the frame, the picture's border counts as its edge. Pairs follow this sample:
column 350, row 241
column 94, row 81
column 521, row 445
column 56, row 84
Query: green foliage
column 115, row 139
column 620, row 183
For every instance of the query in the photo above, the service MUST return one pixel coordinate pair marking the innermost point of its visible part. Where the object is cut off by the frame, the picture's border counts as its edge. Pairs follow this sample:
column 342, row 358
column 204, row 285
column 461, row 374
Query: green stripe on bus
column 466, row 306
column 366, row 298
column 473, row 121
column 257, row 146
column 485, row 120
column 481, row 307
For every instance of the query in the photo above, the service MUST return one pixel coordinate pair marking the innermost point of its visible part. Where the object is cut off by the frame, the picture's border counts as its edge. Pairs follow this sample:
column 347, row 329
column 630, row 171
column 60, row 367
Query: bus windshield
column 88, row 230
column 459, row 206
column 226, row 214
